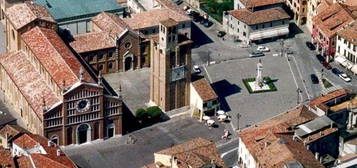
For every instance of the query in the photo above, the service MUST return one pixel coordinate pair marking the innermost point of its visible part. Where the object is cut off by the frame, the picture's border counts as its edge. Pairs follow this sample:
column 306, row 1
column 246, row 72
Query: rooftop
column 258, row 3
column 333, row 18
column 29, row 82
column 327, row 97
column 6, row 158
column 110, row 23
column 22, row 14
column 204, row 89
column 349, row 32
column 92, row 42
column 153, row 17
column 262, row 16
column 273, row 137
column 12, row 130
column 313, row 126
column 64, row 10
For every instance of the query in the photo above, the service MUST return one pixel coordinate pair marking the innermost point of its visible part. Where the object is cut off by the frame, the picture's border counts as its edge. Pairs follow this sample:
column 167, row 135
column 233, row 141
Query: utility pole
column 282, row 47
column 298, row 95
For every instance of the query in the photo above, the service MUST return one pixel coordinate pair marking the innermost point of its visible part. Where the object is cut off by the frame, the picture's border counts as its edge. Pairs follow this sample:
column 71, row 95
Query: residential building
column 346, row 45
column 326, row 25
column 75, row 15
column 170, row 67
column 203, row 99
column 10, row 132
column 6, row 4
column 248, row 25
column 298, row 9
column 6, row 159
column 313, row 8
column 197, row 152
column 256, row 5
column 271, row 142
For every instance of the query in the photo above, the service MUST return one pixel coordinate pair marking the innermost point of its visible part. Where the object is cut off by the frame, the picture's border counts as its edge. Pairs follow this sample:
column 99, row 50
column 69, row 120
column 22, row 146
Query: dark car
column 326, row 65
column 314, row 79
column 207, row 23
column 197, row 18
column 256, row 54
column 221, row 33
column 320, row 58
column 310, row 45
column 336, row 71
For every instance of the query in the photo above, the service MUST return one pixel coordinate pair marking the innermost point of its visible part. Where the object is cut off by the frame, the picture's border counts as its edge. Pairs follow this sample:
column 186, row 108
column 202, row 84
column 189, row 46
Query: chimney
column 81, row 72
column 317, row 155
column 308, row 147
column 58, row 152
column 49, row 143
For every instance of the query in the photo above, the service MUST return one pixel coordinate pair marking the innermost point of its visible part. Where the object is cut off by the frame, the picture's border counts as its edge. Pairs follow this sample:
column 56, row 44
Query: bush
column 154, row 112
column 140, row 112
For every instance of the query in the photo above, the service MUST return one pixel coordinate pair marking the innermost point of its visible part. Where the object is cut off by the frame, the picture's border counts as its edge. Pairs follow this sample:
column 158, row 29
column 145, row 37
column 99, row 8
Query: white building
column 249, row 26
column 346, row 47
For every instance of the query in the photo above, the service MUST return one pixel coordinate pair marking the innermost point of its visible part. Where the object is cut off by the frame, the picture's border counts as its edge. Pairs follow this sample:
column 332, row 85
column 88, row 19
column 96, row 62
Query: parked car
column 310, row 45
column 326, row 65
column 336, row 71
column 314, row 79
column 344, row 77
column 320, row 58
column 256, row 54
column 197, row 18
column 207, row 23
column 263, row 49
column 221, row 34
column 196, row 69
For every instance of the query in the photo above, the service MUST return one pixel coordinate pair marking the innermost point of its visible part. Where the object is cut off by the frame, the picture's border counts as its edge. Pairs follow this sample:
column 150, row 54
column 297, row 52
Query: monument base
column 256, row 88
column 268, row 85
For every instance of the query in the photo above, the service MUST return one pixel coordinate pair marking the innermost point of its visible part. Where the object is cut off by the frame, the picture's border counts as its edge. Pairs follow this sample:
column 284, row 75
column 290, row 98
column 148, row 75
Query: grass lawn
column 326, row 83
column 270, row 83
column 215, row 8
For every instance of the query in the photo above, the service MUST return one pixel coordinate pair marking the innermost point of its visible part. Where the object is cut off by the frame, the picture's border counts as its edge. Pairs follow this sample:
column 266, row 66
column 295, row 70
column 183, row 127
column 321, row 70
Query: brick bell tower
column 170, row 68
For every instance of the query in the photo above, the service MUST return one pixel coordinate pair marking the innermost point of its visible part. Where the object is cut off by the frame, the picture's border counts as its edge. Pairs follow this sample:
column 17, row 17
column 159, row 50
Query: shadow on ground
column 223, row 89
column 199, row 37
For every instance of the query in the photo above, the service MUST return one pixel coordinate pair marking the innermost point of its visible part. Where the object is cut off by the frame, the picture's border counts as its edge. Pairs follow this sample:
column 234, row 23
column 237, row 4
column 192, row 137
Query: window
column 100, row 67
column 100, row 56
column 183, row 25
column 54, row 139
column 205, row 105
column 110, row 54
column 244, row 34
column 127, row 45
column 110, row 65
column 13, row 34
column 90, row 58
column 153, row 31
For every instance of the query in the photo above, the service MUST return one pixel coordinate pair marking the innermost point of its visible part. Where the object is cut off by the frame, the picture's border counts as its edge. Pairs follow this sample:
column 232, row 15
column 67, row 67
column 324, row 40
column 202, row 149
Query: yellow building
column 299, row 10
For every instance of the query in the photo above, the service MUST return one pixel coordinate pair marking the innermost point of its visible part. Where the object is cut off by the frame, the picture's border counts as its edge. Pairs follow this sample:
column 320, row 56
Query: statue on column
column 259, row 79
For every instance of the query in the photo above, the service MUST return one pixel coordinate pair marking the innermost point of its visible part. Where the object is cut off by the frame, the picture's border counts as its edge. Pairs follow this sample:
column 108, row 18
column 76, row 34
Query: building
column 203, row 99
column 4, row 5
column 271, row 143
column 170, row 67
column 326, row 25
column 313, row 8
column 298, row 9
column 197, row 152
column 10, row 132
column 346, row 45
column 75, row 15
column 256, row 5
column 6, row 159
column 248, row 25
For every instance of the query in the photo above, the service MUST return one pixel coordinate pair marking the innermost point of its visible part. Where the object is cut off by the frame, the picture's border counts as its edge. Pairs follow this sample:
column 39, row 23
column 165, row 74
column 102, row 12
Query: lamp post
column 238, row 116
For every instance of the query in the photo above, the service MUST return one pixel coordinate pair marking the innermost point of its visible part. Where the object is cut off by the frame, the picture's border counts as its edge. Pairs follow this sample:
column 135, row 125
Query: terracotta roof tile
column 204, row 89
column 172, row 6
column 332, row 19
column 262, row 16
column 30, row 83
column 274, row 137
column 327, row 97
column 110, row 23
column 92, row 42
column 44, row 160
column 349, row 32
column 12, row 130
column 22, row 14
column 54, row 55
column 153, row 17
column 320, row 134
column 6, row 158
column 257, row 3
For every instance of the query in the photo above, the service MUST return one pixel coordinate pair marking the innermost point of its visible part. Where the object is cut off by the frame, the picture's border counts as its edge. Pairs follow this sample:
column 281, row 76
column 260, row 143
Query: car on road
column 221, row 34
column 336, row 71
column 263, row 49
column 320, row 58
column 196, row 69
column 344, row 77
column 197, row 18
column 310, row 45
column 207, row 23
column 326, row 65
column 314, row 79
column 256, row 54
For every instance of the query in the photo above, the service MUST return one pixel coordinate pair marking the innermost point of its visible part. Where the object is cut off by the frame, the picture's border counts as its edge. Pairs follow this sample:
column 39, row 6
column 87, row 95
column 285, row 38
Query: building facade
column 249, row 26
column 203, row 99
column 170, row 68
column 298, row 9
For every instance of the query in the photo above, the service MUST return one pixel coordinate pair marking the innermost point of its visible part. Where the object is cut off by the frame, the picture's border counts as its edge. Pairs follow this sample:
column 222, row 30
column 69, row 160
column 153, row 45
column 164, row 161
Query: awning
column 263, row 34
column 354, row 69
column 340, row 59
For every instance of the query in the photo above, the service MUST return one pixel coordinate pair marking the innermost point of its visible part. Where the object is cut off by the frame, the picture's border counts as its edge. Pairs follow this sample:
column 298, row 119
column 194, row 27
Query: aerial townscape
column 178, row 83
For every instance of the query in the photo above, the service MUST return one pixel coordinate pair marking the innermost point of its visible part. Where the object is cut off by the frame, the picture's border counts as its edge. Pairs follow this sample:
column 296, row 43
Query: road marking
column 225, row 153
column 297, row 86
column 208, row 76
column 303, row 83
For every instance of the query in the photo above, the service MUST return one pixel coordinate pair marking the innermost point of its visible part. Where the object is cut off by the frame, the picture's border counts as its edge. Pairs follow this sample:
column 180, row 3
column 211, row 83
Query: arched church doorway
column 83, row 133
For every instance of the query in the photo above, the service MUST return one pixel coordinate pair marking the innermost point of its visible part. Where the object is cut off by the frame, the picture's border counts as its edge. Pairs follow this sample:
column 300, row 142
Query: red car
column 326, row 65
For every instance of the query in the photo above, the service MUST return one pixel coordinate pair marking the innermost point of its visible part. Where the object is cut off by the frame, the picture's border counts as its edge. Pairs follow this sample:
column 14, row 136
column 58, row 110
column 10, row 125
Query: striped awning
column 263, row 34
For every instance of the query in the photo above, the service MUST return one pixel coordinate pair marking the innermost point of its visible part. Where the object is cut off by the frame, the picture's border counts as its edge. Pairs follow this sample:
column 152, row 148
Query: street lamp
column 298, row 95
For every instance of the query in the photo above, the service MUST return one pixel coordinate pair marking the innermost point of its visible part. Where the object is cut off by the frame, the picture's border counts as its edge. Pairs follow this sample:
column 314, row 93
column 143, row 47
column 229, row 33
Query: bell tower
column 170, row 68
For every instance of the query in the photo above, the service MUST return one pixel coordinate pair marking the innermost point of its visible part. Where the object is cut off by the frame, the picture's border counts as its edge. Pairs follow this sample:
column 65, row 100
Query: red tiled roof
column 349, row 33
column 6, row 158
column 333, row 18
column 44, row 160
column 110, row 23
column 204, row 90
column 153, row 17
column 24, row 13
column 92, row 42
column 54, row 55
column 172, row 6
column 30, row 83
column 262, row 16
column 273, row 137
column 329, row 96
column 12, row 130
column 258, row 3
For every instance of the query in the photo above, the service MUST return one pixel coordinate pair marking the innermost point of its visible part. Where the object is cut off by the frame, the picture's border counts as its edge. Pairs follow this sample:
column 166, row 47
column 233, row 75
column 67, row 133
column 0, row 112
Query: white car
column 263, row 49
column 345, row 77
column 196, row 69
